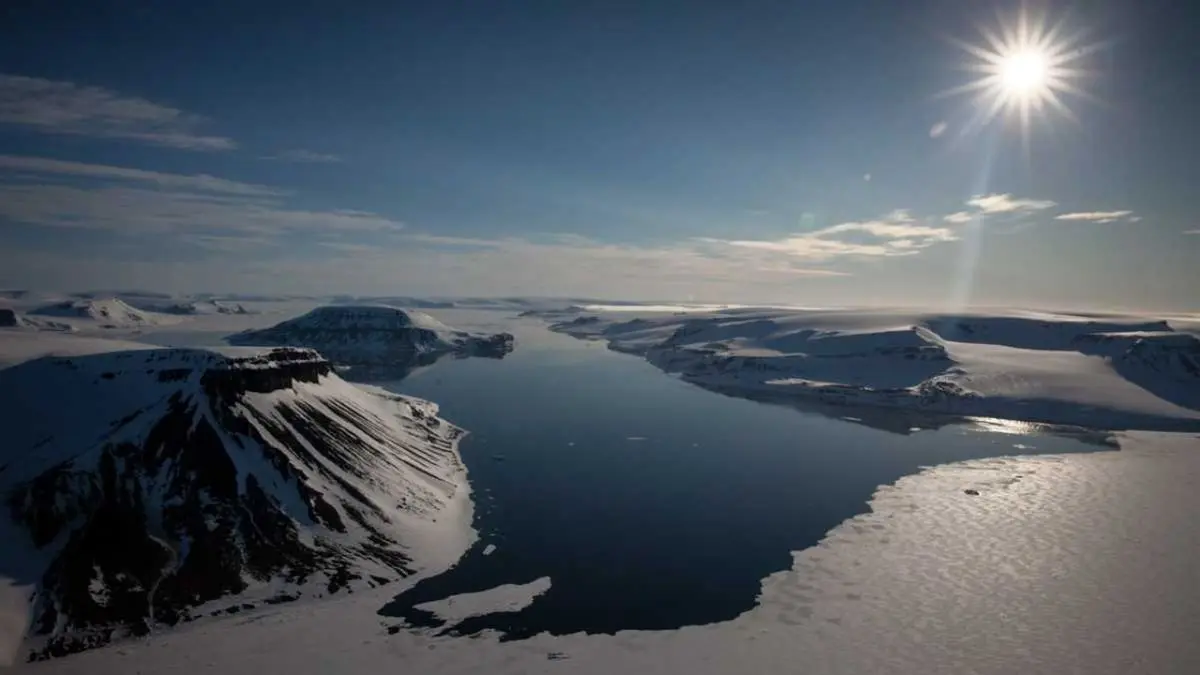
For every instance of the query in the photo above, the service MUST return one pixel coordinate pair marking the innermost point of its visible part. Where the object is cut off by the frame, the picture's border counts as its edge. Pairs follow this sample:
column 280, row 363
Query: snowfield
column 1102, row 372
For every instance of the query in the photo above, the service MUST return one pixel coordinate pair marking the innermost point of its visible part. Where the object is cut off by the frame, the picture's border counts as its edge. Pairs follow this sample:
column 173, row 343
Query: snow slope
column 1102, row 372
column 370, row 335
column 157, row 484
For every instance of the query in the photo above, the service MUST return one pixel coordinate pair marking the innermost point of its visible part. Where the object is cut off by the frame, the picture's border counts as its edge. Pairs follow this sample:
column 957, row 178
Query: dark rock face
column 492, row 346
column 9, row 318
column 163, row 514
column 192, row 308
column 377, row 342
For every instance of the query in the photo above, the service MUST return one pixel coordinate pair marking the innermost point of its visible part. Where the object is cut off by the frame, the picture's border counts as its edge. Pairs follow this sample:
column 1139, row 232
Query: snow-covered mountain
column 370, row 335
column 1103, row 371
column 107, row 312
column 156, row 485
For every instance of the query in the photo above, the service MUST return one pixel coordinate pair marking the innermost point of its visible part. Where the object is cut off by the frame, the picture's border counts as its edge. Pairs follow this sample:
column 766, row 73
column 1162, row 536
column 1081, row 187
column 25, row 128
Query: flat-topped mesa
column 157, row 481
column 199, row 307
column 375, row 335
column 232, row 373
column 279, row 368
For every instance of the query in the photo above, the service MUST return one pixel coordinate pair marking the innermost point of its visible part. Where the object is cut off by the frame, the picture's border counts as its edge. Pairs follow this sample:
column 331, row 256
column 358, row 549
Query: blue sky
column 760, row 151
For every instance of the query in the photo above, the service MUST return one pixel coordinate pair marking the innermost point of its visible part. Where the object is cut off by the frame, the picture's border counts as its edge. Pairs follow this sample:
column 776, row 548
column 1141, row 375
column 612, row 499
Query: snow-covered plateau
column 1104, row 372
column 110, row 313
column 146, row 487
column 376, row 336
column 11, row 318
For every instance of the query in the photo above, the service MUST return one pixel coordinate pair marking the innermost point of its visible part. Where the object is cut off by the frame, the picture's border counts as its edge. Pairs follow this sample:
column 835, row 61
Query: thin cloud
column 124, row 200
column 306, row 156
column 349, row 247
column 1006, row 203
column 450, row 241
column 938, row 129
column 197, row 182
column 896, row 234
column 226, row 243
column 1191, row 231
column 959, row 218
column 514, row 267
column 51, row 106
column 1096, row 216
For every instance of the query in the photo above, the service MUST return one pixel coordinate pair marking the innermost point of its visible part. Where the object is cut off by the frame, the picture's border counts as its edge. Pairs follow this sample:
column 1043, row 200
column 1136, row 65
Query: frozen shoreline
column 1036, row 573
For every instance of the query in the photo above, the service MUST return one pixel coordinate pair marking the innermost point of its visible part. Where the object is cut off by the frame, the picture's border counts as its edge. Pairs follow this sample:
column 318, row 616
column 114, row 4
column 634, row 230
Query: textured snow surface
column 1081, row 564
column 1105, row 371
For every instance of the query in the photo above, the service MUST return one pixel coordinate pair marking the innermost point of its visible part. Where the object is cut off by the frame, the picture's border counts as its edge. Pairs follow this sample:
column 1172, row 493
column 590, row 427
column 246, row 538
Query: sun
column 1023, row 67
column 1025, row 73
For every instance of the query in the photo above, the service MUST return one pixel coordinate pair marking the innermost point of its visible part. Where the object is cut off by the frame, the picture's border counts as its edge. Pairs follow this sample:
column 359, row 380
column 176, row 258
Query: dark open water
column 649, row 502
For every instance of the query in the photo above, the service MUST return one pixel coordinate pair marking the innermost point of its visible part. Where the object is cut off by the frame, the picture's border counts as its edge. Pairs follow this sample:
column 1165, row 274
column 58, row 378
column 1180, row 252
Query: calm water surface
column 649, row 502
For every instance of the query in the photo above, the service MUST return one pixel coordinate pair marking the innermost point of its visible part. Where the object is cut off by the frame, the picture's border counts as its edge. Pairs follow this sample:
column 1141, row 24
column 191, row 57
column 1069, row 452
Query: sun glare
column 1024, row 73
column 1024, row 67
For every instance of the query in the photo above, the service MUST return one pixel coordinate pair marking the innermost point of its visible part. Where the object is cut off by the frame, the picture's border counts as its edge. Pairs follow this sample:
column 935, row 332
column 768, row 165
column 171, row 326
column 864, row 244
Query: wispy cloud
column 305, row 156
column 125, row 200
column 562, row 265
column 1006, row 203
column 453, row 242
column 196, row 182
column 52, row 106
column 959, row 217
column 1191, row 231
column 1096, row 216
column 226, row 243
column 349, row 247
column 896, row 234
column 938, row 129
